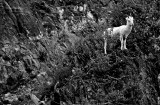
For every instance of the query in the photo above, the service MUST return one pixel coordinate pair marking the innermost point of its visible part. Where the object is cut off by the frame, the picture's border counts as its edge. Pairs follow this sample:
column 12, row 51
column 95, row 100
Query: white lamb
column 120, row 33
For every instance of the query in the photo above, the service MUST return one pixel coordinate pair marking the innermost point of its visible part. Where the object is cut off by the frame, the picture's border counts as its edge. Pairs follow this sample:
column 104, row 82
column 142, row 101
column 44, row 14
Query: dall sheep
column 120, row 33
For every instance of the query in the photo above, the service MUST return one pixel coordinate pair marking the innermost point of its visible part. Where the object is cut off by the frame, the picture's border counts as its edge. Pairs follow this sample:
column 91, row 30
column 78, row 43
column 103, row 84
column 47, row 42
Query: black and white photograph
column 79, row 52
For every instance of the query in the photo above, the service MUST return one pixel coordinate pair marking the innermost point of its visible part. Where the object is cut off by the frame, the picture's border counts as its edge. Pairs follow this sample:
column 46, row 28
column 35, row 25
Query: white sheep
column 120, row 33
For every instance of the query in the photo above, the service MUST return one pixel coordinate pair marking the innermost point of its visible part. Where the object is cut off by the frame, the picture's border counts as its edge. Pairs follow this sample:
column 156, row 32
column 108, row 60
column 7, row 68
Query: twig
column 116, row 78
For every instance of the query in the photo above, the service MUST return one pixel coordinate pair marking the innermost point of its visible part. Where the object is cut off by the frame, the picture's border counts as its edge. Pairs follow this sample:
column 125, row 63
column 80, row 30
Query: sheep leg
column 105, row 46
column 125, row 44
column 121, row 39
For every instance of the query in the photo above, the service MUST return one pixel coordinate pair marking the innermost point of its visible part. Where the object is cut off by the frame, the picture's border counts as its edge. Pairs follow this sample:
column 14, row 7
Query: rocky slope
column 51, row 51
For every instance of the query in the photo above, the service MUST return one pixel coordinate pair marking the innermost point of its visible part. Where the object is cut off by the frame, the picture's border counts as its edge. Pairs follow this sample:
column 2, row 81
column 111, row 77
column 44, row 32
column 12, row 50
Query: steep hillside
column 51, row 52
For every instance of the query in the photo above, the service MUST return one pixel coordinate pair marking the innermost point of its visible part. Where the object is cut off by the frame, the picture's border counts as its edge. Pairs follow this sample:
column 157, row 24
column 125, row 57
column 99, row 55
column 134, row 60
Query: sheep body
column 122, row 30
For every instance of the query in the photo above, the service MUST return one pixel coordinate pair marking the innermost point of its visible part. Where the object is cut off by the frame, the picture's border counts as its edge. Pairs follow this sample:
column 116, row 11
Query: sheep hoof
column 122, row 48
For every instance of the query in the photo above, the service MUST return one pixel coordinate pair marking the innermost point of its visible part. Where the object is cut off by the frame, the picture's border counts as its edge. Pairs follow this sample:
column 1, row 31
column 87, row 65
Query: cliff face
column 55, row 49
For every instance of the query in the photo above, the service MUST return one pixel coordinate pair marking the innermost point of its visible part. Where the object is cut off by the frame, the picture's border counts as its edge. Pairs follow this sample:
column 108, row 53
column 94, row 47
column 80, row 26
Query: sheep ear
column 132, row 18
column 126, row 18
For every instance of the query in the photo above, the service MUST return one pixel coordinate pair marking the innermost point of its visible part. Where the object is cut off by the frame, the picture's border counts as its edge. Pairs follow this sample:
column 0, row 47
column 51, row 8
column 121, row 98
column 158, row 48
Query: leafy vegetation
column 45, row 58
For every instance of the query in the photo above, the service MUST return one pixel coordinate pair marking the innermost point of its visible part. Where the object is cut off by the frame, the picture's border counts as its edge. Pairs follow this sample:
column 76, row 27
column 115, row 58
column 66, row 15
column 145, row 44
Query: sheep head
column 129, row 20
